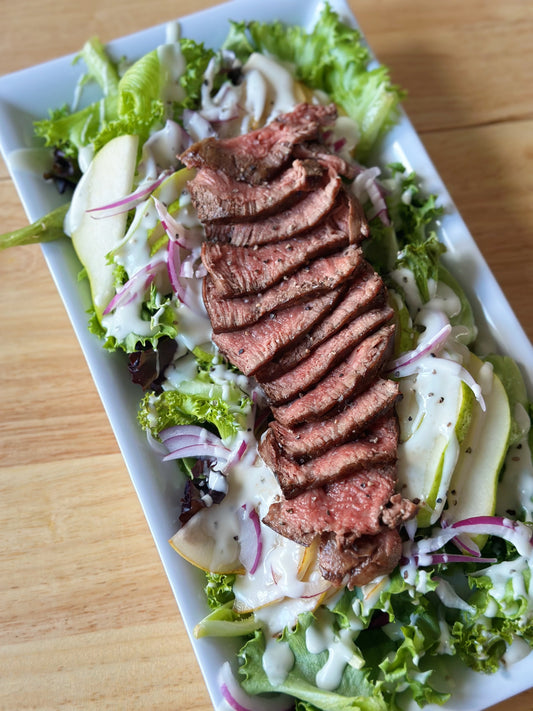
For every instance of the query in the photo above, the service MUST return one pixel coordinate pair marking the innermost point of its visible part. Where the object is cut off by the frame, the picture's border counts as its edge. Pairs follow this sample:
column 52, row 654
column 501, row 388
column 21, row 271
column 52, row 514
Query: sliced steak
column 218, row 198
column 398, row 510
column 346, row 380
column 237, row 271
column 325, row 157
column 298, row 218
column 309, row 440
column 313, row 368
column 364, row 560
column 258, row 155
column 366, row 291
column 350, row 508
column 251, row 348
column 376, row 446
column 323, row 274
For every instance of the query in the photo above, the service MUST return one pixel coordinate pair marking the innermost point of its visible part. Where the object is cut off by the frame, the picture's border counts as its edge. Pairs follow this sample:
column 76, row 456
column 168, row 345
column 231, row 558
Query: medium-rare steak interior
column 293, row 302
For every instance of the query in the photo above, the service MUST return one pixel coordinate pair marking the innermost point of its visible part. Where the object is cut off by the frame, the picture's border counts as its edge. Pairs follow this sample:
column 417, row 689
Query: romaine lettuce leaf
column 134, row 104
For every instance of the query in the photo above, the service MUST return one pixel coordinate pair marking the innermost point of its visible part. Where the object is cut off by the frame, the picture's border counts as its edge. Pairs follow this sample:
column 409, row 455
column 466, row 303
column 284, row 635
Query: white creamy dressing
column 515, row 489
column 431, row 405
column 320, row 637
column 172, row 63
column 509, row 586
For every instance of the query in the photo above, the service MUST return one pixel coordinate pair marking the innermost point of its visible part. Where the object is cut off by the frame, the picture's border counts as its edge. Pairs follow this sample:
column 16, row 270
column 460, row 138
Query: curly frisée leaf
column 331, row 58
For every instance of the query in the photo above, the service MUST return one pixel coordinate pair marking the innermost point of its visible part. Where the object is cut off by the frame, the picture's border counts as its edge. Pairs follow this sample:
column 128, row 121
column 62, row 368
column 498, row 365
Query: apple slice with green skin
column 108, row 179
column 434, row 416
column 474, row 482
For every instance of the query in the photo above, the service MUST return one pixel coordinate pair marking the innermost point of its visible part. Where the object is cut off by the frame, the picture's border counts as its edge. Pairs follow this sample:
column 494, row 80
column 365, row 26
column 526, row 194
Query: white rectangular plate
column 26, row 96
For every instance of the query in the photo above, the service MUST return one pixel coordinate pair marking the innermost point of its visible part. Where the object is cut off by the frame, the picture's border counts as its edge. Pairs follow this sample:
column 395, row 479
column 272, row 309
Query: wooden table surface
column 87, row 618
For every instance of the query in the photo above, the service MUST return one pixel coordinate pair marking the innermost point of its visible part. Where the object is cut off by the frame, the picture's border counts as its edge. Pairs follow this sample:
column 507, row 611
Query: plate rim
column 107, row 369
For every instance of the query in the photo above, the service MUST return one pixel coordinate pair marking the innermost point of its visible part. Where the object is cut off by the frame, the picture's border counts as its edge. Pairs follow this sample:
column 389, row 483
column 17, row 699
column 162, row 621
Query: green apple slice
column 434, row 416
column 474, row 482
column 108, row 179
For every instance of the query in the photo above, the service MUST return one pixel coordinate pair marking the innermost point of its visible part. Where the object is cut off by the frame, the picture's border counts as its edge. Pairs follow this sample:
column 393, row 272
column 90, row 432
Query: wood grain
column 87, row 618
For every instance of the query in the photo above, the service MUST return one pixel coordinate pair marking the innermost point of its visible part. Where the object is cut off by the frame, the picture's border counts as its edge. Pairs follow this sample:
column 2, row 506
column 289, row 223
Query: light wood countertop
column 87, row 617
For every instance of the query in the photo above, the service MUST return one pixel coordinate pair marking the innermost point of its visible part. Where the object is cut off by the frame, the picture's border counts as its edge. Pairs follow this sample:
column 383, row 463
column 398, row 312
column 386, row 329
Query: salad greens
column 379, row 646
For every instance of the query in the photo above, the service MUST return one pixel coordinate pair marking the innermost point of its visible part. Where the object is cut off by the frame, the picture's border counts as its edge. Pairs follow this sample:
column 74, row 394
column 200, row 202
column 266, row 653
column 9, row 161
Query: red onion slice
column 250, row 540
column 365, row 186
column 439, row 558
column 237, row 454
column 180, row 286
column 193, row 441
column 177, row 431
column 518, row 534
column 136, row 286
column 239, row 700
column 130, row 201
column 431, row 344
column 174, row 229
column 201, row 451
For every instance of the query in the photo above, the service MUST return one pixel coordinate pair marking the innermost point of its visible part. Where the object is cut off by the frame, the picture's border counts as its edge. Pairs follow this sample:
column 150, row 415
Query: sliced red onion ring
column 130, row 201
column 250, row 540
column 432, row 340
column 174, row 229
column 366, row 186
column 193, row 441
column 179, row 285
column 236, row 454
column 136, row 286
column 518, row 534
column 201, row 451
column 239, row 700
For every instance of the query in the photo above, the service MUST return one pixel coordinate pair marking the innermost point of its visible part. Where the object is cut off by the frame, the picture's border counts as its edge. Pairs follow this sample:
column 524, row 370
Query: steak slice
column 220, row 198
column 349, row 509
column 398, row 510
column 298, row 218
column 345, row 381
column 364, row 560
column 310, row 439
column 323, row 274
column 258, row 155
column 236, row 271
column 314, row 149
column 366, row 291
column 376, row 446
column 313, row 368
column 251, row 348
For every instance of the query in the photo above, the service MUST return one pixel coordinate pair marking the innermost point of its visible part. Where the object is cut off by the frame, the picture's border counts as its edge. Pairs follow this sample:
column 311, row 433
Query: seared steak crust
column 309, row 439
column 323, row 274
column 260, row 154
column 299, row 217
column 251, row 348
column 314, row 367
column 378, row 445
column 361, row 562
column 220, row 198
column 365, row 291
column 348, row 508
column 237, row 271
column 344, row 382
